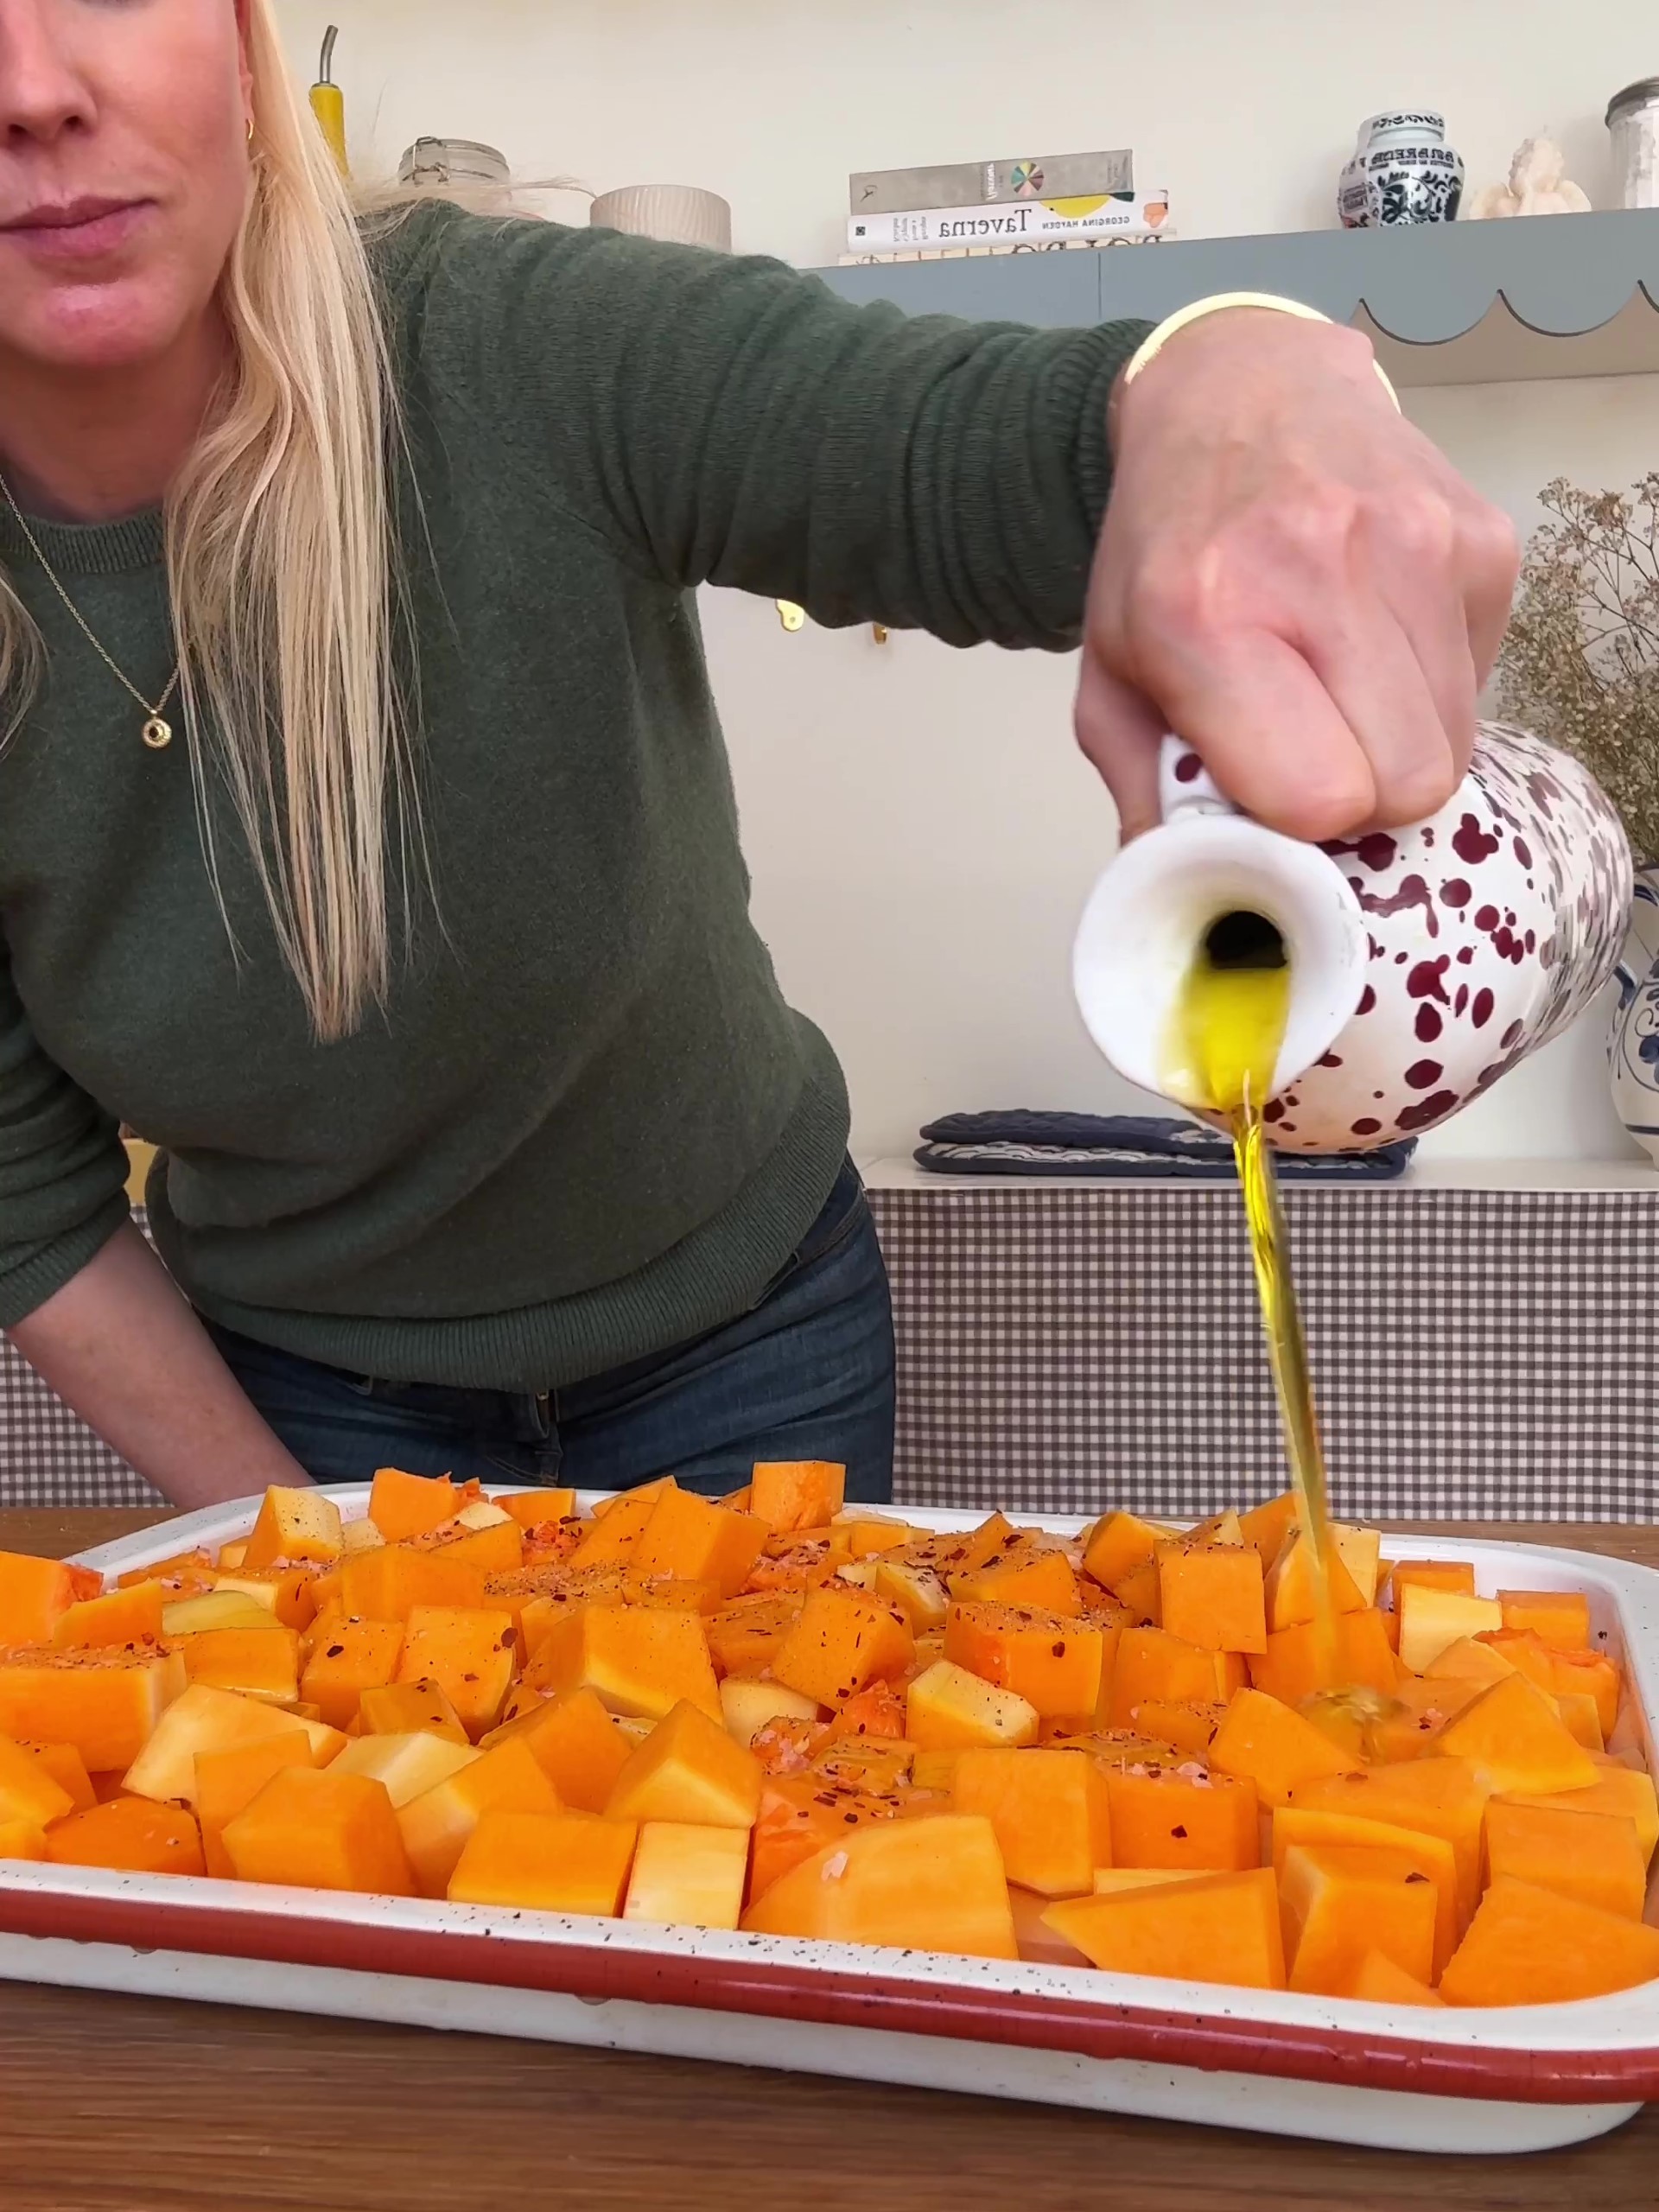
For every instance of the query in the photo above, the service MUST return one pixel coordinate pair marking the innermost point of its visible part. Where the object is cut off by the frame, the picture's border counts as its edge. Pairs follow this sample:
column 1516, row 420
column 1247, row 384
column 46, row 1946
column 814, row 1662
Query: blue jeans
column 806, row 1374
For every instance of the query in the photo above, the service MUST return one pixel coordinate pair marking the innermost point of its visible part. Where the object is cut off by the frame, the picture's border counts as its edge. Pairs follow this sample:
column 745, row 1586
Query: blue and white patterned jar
column 1633, row 1048
column 1403, row 172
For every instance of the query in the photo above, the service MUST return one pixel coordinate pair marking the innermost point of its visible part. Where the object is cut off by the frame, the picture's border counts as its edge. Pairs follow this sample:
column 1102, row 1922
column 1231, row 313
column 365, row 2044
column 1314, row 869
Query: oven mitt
column 1127, row 1147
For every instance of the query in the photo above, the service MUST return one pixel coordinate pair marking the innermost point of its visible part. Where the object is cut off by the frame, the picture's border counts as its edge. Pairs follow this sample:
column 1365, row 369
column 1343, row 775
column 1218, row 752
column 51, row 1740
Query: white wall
column 921, row 833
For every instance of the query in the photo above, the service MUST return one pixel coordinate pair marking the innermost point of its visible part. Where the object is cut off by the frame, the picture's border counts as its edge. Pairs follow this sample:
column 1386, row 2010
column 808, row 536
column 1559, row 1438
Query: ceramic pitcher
column 1424, row 963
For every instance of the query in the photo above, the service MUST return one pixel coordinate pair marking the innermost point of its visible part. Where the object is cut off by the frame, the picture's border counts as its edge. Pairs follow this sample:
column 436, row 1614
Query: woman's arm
column 120, row 1344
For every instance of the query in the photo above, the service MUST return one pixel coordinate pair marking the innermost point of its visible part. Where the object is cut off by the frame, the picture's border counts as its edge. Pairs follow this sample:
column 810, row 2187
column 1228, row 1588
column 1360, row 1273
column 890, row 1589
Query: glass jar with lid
column 1633, row 120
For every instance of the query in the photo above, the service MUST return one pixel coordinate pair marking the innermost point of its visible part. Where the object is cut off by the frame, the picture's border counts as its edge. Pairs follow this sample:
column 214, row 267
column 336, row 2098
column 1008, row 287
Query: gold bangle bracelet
column 1219, row 303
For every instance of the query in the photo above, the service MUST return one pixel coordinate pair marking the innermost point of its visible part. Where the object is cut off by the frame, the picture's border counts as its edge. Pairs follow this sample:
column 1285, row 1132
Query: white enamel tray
column 1402, row 2078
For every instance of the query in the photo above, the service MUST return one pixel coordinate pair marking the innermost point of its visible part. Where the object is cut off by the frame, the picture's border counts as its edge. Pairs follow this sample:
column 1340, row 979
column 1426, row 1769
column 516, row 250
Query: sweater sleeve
column 63, row 1169
column 733, row 421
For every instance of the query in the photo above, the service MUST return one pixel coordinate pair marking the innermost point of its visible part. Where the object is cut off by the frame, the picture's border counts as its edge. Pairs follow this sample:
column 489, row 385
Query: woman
column 366, row 833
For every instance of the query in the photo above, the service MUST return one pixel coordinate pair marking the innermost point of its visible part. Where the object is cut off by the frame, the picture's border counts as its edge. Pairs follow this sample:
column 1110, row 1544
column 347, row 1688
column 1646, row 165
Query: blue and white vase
column 1403, row 172
column 1633, row 1049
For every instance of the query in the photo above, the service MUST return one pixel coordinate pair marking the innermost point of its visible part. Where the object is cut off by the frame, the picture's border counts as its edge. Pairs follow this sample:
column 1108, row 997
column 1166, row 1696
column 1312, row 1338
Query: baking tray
column 1514, row 2079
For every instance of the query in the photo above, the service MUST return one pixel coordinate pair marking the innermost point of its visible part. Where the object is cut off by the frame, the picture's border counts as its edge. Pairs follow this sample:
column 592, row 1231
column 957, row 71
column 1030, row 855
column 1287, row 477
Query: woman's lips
column 67, row 234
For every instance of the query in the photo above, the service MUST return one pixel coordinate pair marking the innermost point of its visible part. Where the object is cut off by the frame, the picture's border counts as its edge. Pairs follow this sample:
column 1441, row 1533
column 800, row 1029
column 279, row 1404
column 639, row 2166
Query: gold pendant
column 157, row 733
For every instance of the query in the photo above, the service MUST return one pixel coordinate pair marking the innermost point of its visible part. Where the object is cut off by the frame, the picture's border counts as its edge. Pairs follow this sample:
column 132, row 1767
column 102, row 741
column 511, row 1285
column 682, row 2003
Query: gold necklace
column 157, row 732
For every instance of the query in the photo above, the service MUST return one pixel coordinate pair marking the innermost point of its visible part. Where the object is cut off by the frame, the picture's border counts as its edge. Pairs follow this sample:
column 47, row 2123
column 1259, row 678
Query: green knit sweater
column 586, row 1126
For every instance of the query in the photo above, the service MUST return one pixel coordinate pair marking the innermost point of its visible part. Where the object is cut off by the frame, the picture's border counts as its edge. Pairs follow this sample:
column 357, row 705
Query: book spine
column 1026, row 221
column 879, row 259
column 972, row 184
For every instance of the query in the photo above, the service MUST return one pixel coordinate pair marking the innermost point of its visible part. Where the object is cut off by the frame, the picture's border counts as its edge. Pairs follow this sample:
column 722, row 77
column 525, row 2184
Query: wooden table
column 121, row 2104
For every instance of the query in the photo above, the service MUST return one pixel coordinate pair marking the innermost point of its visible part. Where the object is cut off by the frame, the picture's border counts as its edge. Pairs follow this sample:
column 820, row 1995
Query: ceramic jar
column 1424, row 963
column 1402, row 171
column 1633, row 1048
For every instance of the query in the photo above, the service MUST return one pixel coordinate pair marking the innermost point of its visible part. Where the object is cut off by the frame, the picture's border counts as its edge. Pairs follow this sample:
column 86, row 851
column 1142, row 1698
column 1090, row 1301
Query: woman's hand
column 1293, row 579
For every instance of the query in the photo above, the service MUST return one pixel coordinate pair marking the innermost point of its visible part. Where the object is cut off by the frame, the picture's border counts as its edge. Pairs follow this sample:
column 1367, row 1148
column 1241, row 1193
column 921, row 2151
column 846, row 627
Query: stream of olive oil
column 1224, row 1045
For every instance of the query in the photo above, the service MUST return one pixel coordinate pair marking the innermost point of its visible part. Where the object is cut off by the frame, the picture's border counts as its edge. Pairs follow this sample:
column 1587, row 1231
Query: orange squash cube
column 533, row 1508
column 843, row 1642
column 68, row 1769
column 1561, row 1618
column 1048, row 1810
column 639, row 1662
column 1616, row 1792
column 1053, row 1662
column 403, row 1505
column 19, row 1840
column 1454, row 1574
column 1595, row 1857
column 35, row 1594
column 351, row 1657
column 610, row 1539
column 293, row 1525
column 1119, row 1543
column 1152, row 1664
column 1218, row 1927
column 1043, row 1580
column 1264, row 1527
column 407, row 1709
column 800, row 1814
column 315, row 1829
column 1211, row 1595
column 120, row 1617
column 1430, row 1619
column 575, row 1743
column 1185, row 1724
column 1581, row 1720
column 436, row 1825
column 547, row 1862
column 1432, row 1856
column 184, row 1570
column 1513, row 1740
column 1527, row 1945
column 789, row 1494
column 261, row 1662
column 1140, row 1594
column 469, row 1652
column 1590, row 1674
column 947, row 1708
column 1290, row 1580
column 1339, row 1901
column 203, row 1719
column 406, row 1766
column 388, row 1584
column 690, row 1539
column 689, row 1769
column 1175, row 1815
column 918, row 1590
column 28, row 1792
column 688, row 1875
column 105, row 1702
column 1274, row 1746
column 1378, row 1980
column 925, row 1884
column 746, row 1636
column 1435, row 1796
column 129, row 1834
column 228, row 1781
column 1289, row 1668
column 289, row 1594
column 496, row 1545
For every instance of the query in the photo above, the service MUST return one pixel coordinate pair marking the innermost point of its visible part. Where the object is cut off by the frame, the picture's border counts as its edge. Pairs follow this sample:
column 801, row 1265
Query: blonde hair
column 283, row 574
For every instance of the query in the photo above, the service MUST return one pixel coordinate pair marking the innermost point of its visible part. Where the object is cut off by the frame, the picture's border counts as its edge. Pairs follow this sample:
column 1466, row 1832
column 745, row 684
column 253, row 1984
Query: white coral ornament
column 1538, row 185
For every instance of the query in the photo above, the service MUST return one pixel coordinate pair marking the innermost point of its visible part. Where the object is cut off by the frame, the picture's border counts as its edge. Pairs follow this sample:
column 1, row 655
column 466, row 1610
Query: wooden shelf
column 1552, row 295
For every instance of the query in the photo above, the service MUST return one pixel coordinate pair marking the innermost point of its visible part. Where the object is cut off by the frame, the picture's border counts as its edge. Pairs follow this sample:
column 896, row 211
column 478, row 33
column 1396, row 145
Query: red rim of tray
column 831, row 1997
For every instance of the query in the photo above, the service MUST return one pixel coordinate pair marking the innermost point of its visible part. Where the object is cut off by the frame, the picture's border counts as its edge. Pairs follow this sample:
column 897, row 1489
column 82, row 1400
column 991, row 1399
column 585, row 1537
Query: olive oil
column 1223, row 1048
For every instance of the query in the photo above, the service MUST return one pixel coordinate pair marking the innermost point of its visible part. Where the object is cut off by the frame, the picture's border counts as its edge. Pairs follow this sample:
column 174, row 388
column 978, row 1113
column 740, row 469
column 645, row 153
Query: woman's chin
column 99, row 329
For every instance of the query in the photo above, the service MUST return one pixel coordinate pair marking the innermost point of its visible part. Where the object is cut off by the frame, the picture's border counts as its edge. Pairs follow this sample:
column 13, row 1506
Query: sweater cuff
column 1082, row 384
column 35, row 1273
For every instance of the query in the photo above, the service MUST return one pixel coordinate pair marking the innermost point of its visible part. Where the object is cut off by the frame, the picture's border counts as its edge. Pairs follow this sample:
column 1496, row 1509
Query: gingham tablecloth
column 1478, row 1354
